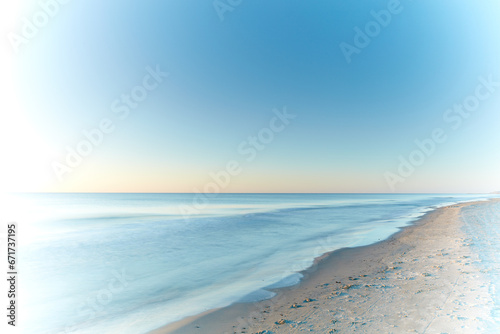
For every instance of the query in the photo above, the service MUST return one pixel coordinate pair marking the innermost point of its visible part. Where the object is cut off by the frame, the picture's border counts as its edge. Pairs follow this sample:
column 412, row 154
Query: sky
column 250, row 96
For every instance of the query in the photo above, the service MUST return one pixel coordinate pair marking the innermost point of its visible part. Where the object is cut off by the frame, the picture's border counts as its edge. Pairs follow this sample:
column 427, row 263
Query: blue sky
column 353, row 120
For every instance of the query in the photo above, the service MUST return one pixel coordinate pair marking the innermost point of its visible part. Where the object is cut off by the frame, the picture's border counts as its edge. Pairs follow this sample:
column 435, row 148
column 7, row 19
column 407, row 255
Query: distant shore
column 423, row 279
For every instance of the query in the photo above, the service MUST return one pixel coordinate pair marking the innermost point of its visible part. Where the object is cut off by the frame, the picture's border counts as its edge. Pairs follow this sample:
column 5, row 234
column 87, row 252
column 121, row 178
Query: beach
column 426, row 278
column 220, row 268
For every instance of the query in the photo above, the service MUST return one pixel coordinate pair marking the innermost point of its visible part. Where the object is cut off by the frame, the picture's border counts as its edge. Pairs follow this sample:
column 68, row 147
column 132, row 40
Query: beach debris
column 295, row 305
column 308, row 300
column 263, row 332
column 426, row 274
column 280, row 322
column 347, row 286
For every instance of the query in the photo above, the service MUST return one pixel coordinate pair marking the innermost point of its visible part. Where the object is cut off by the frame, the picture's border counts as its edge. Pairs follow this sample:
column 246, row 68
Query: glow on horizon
column 353, row 121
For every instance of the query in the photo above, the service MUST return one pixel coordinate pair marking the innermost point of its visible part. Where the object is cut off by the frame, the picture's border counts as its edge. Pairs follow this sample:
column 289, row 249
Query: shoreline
column 413, row 281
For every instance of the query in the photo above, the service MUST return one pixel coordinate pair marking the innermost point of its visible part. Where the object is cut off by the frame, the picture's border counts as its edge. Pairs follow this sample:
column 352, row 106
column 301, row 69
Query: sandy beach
column 424, row 279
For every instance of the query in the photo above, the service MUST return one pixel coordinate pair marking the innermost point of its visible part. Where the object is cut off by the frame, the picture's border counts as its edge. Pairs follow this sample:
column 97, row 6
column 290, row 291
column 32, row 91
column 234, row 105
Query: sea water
column 131, row 263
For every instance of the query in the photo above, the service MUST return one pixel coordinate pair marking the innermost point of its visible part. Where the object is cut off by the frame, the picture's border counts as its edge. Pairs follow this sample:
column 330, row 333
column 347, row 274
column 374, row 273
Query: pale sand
column 424, row 279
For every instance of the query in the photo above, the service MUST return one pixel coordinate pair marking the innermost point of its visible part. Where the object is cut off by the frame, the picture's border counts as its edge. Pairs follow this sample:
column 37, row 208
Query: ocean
column 131, row 263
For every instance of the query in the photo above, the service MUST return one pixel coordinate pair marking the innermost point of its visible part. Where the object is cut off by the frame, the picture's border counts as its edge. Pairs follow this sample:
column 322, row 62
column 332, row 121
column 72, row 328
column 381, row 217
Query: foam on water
column 130, row 263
